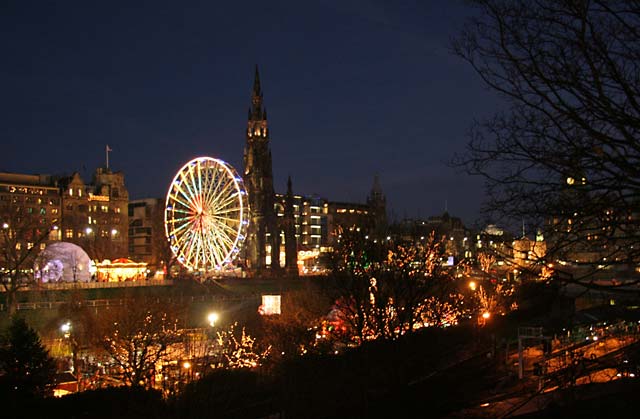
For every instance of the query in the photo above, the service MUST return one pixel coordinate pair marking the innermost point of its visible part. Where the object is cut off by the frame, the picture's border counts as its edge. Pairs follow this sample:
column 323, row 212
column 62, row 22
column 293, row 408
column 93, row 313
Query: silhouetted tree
column 26, row 369
column 564, row 155
column 294, row 331
column 21, row 234
column 387, row 289
column 137, row 335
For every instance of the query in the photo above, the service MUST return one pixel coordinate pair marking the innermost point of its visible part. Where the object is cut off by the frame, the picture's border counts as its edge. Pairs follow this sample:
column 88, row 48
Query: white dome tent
column 63, row 262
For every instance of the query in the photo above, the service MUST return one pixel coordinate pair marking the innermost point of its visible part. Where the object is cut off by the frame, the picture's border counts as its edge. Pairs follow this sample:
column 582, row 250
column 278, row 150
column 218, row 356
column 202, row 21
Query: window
column 104, row 208
column 79, row 192
column 29, row 245
column 70, row 192
column 68, row 233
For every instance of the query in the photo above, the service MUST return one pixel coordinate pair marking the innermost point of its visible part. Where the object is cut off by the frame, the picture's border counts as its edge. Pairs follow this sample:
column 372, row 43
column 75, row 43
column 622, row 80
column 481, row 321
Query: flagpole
column 107, row 150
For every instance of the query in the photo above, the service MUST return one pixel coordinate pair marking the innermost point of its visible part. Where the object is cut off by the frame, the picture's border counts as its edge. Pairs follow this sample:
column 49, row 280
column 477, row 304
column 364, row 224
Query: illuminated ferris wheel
column 206, row 214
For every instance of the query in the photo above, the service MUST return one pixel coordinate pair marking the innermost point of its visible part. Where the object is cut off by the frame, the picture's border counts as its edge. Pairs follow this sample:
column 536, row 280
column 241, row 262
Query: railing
column 93, row 285
column 530, row 332
column 43, row 305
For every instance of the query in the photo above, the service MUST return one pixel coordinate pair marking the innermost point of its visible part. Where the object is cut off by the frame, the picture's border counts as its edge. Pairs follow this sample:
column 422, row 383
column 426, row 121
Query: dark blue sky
column 352, row 88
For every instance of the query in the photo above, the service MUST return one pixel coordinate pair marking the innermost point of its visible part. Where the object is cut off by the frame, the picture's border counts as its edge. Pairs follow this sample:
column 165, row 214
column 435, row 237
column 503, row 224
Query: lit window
column 104, row 208
column 29, row 245
column 79, row 192
column 70, row 192
column 68, row 233
column 42, row 246
column 18, row 246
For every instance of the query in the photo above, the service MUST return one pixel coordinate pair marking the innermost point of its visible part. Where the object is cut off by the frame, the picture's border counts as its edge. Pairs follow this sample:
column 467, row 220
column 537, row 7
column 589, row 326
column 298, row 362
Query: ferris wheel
column 206, row 214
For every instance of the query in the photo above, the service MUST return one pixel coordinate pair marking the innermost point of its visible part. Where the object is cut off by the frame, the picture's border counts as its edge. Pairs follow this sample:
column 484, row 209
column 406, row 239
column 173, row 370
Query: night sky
column 352, row 89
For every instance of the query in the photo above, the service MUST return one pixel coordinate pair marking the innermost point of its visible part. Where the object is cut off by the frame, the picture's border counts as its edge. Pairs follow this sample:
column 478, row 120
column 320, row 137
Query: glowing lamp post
column 482, row 320
column 66, row 329
column 212, row 318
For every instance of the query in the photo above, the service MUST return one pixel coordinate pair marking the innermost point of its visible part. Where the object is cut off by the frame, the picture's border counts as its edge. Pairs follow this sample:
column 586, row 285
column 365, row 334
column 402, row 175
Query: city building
column 451, row 230
column 30, row 211
column 93, row 216
column 146, row 231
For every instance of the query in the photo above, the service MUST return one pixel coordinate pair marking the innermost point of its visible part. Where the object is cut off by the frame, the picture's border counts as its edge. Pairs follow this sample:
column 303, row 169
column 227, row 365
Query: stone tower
column 258, row 180
column 378, row 206
column 289, row 227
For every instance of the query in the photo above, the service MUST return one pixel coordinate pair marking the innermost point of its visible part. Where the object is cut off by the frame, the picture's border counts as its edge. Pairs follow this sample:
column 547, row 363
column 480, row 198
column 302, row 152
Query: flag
column 108, row 148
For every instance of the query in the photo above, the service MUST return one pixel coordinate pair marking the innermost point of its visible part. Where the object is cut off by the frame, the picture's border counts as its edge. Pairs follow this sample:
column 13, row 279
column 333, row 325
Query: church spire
column 256, row 83
column 257, row 111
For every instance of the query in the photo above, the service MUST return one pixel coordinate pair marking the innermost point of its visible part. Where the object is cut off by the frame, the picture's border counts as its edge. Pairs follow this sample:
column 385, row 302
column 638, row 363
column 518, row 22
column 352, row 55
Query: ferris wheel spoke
column 213, row 200
column 222, row 184
column 217, row 181
column 183, row 225
column 213, row 250
column 223, row 192
column 191, row 181
column 178, row 197
column 224, row 227
column 220, row 248
column 223, row 203
column 214, row 183
column 184, row 187
column 217, row 253
column 228, row 210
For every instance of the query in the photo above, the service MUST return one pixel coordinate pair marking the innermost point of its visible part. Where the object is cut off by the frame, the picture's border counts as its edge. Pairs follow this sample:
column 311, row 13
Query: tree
column 26, row 369
column 564, row 155
column 137, row 336
column 296, row 329
column 21, row 234
column 239, row 349
column 383, row 298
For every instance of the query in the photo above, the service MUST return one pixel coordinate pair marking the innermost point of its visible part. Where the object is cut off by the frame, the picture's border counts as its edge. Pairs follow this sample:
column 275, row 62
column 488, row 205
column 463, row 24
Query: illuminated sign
column 102, row 198
column 270, row 305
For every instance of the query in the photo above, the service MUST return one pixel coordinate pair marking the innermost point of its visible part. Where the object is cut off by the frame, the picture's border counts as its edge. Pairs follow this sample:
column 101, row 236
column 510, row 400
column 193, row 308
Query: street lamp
column 212, row 318
column 66, row 329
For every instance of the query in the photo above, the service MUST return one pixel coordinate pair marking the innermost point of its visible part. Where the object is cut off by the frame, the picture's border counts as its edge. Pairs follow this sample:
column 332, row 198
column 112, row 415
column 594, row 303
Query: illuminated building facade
column 30, row 206
column 93, row 216
column 146, row 230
